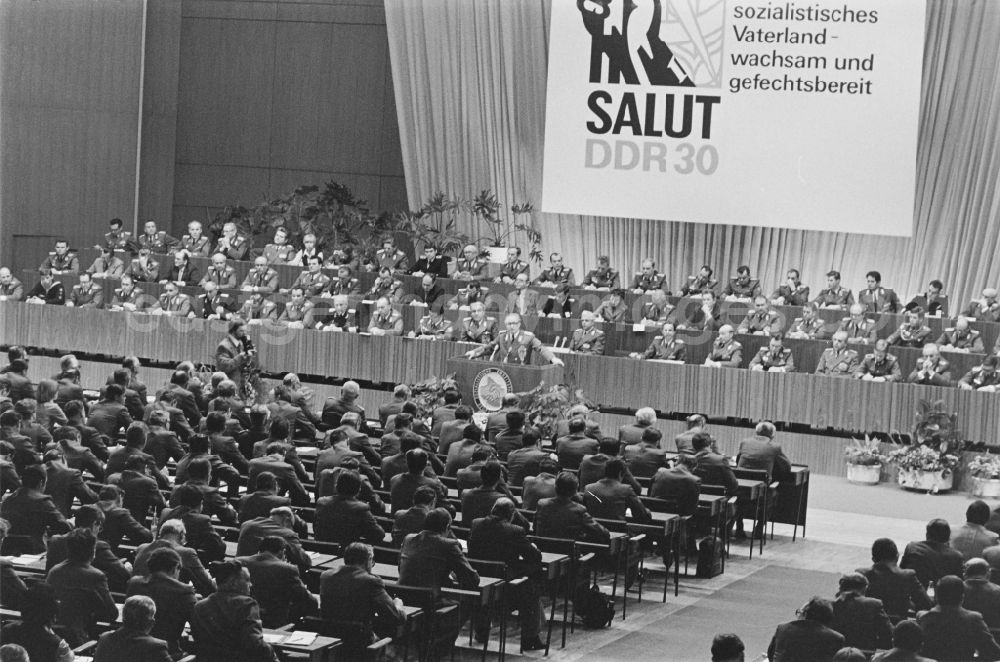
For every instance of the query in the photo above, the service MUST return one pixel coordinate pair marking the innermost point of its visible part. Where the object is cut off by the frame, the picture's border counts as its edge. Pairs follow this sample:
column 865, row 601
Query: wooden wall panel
column 69, row 72
column 275, row 94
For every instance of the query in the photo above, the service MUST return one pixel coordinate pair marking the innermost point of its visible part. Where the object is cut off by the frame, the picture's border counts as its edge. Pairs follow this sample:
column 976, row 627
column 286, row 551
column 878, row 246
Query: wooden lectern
column 484, row 383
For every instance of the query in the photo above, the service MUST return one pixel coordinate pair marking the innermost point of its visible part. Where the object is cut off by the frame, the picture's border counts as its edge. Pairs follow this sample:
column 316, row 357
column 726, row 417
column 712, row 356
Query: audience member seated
column 353, row 593
column 775, row 357
column 808, row 327
column 34, row 631
column 132, row 641
column 64, row 484
column 981, row 594
column 12, row 587
column 540, row 486
column 588, row 339
column 861, row 620
column 525, row 461
column 31, row 514
column 727, row 648
column 82, row 590
column 174, row 599
column 859, row 329
column 983, row 378
column 276, row 586
column 471, row 266
column 645, row 457
column 609, row 498
column 556, row 274
column 182, row 273
column 199, row 472
column 47, row 290
column 385, row 321
column 899, row 590
column 173, row 536
column 907, row 643
column 961, row 338
column 559, row 304
column 281, row 523
column 878, row 299
column 742, row 287
column 478, row 327
column 344, row 284
column 119, row 525
column 726, row 351
column 477, row 501
column 91, row 518
column 513, row 267
column 657, row 311
column 460, row 452
column 11, row 289
column 195, row 242
column 344, row 518
column 613, row 309
column 430, row 264
column 201, row 536
column 411, row 520
column 574, row 446
column 793, row 293
column 260, row 279
column 648, row 278
column 61, row 260
column 808, row 638
column 834, row 296
column 523, row 300
column 679, row 484
column 403, row 486
column 986, row 309
column 837, row 360
column 712, row 467
column 913, row 332
column 762, row 320
column 226, row 626
column 972, row 537
column 933, row 557
column 931, row 369
column 879, row 366
column 953, row 633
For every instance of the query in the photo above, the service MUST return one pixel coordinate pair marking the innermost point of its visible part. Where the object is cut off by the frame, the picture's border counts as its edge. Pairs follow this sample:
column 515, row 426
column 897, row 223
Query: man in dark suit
column 349, row 431
column 762, row 452
column 172, row 536
column 222, row 444
column 186, row 401
column 525, row 461
column 201, row 536
column 632, row 433
column 430, row 264
column 540, row 486
column 899, row 590
column 678, row 483
column 933, row 557
column 412, row 519
column 64, row 484
column 90, row 438
column 496, row 538
column 460, row 453
column 402, row 486
column 174, row 599
column 352, row 593
column 276, row 585
column 226, row 625
column 31, row 512
column 265, row 499
column 509, row 439
column 299, row 425
column 478, row 501
column 809, row 637
column 497, row 420
column 446, row 412
column 139, row 491
column 861, row 620
column 132, row 640
column 280, row 522
column 451, row 431
column 609, row 497
column 276, row 462
column 91, row 518
column 335, row 408
column 161, row 443
column 952, row 632
column 644, row 457
column 400, row 395
column 572, row 447
column 344, row 518
column 12, row 587
column 135, row 445
column 981, row 594
column 199, row 472
column 134, row 403
column 84, row 598
column 593, row 467
column 712, row 468
column 393, row 465
column 695, row 424
column 109, row 416
column 119, row 524
column 562, row 516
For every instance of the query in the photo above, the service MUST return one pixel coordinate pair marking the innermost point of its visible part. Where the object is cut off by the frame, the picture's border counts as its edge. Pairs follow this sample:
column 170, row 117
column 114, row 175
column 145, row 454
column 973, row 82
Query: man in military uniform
column 344, row 283
column 173, row 302
column 880, row 365
column 183, row 272
column 61, row 261
column 877, row 299
column 762, row 320
column 116, row 238
column 932, row 300
column 522, row 300
column 430, row 263
column 726, row 352
column 649, row 278
column 107, row 264
column 340, row 317
column 982, row 378
column 470, row 266
column 220, row 272
column 699, row 283
column 309, row 249
column 279, row 251
column 742, row 287
column 47, row 290
column 390, row 257
column 859, row 329
column 433, row 325
column 194, row 242
column 232, row 244
column 961, row 338
column 931, row 369
column 986, row 309
column 128, row 296
column 913, row 332
column 478, row 327
column 603, row 277
column 588, row 339
column 86, row 294
column 514, row 345
column 157, row 241
column 313, row 281
column 837, row 360
column 656, row 312
column 385, row 285
column 344, row 257
column 144, row 269
column 556, row 274
column 613, row 309
column 385, row 321
column 261, row 278
column 775, row 357
column 558, row 304
column 834, row 296
column 809, row 326
column 258, row 308
column 706, row 315
column 513, row 267
column 792, row 293
column 215, row 305
column 469, row 295
column 298, row 312
column 11, row 289
column 665, row 347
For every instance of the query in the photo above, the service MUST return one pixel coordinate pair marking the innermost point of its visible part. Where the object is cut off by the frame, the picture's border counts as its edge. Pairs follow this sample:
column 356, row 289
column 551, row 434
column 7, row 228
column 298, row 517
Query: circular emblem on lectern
column 489, row 387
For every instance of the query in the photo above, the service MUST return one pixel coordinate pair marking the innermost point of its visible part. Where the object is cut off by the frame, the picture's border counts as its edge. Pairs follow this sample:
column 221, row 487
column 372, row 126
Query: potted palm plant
column 985, row 472
column 864, row 461
column 929, row 461
column 486, row 208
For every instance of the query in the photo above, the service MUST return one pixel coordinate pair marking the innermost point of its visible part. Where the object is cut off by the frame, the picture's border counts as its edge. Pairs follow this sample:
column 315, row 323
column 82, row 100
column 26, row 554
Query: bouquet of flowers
column 985, row 466
column 924, row 458
column 867, row 452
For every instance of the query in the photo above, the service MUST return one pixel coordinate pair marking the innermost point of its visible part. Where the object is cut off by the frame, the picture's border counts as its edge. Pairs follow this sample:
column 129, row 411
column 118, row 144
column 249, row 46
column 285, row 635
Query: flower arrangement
column 985, row 466
column 923, row 458
column 930, row 460
column 867, row 452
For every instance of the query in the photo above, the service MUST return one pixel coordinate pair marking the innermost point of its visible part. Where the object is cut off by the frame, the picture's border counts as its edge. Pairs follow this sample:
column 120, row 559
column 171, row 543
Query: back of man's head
column 179, row 378
column 503, row 508
column 348, row 484
column 437, row 521
column 938, row 530
column 548, row 466
column 215, row 422
column 949, row 591
column 278, row 429
column 701, row 441
column 273, row 544
column 651, row 436
column 33, row 477
column 577, row 425
column 451, row 397
column 609, row 446
column 408, row 440
column 463, row 413
column 529, row 438
column 695, row 421
column 199, row 468
column 884, row 550
column 80, row 545
column 135, row 435
column 425, row 495
column 472, row 432
column 727, row 648
column 190, row 496
column 908, row 636
column 978, row 512
column 490, row 473
column 515, row 420
column 614, row 469
column 163, row 559
column 416, row 460
column 358, row 554
column 139, row 613
column 198, row 444
column 765, row 429
column 87, row 516
column 567, row 484
column 977, row 568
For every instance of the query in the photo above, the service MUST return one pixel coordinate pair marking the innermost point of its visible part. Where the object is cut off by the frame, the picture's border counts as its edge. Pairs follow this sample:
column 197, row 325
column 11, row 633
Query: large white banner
column 780, row 114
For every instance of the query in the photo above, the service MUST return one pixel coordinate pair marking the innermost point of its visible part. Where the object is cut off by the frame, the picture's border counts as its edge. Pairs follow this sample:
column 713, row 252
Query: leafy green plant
column 429, row 394
column 545, row 405
column 486, row 208
column 935, row 443
column 867, row 451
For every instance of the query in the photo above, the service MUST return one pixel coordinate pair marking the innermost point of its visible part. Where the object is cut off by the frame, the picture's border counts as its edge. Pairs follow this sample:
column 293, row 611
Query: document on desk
column 290, row 639
column 25, row 559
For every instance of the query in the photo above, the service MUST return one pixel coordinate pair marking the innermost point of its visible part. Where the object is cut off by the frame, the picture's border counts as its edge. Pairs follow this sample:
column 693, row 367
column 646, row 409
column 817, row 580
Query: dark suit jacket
column 677, row 484
column 187, row 403
column 200, row 534
column 254, row 530
column 226, row 628
column 162, row 445
column 299, row 425
column 899, row 590
column 278, row 589
column 120, row 525
column 139, row 492
column 952, row 634
column 346, row 520
column 192, row 569
column 762, row 453
column 631, row 433
column 429, row 559
column 213, row 503
column 260, row 504
column 30, row 512
column 609, row 498
column 174, row 604
column 983, row 596
column 523, row 463
column 862, row 621
column 12, row 587
column 643, row 460
column 572, row 448
column 804, row 641
column 559, row 517
column 104, row 560
column 714, row 469
column 124, row 645
column 351, row 593
column 931, row 560
column 84, row 599
column 402, row 487
column 493, row 539
column 109, row 417
column 63, row 484
column 287, row 477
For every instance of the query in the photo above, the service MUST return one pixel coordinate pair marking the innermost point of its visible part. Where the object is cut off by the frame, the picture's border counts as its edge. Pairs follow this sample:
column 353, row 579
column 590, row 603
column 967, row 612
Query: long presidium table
column 845, row 404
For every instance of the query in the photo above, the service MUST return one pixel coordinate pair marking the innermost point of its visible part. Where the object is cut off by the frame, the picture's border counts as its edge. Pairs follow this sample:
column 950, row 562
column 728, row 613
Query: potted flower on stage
column 864, row 461
column 930, row 461
column 985, row 472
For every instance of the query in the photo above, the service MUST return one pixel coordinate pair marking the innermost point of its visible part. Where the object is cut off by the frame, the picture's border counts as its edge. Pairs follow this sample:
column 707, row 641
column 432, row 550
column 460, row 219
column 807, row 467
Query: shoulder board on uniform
column 466, row 319
column 185, row 237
